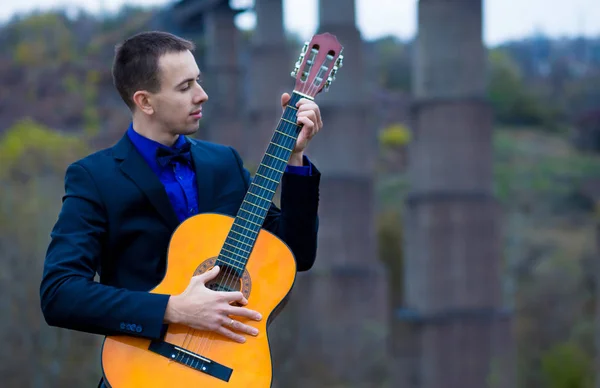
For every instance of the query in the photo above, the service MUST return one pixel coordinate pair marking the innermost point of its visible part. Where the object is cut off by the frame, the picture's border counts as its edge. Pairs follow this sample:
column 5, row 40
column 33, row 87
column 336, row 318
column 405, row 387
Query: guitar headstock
column 319, row 61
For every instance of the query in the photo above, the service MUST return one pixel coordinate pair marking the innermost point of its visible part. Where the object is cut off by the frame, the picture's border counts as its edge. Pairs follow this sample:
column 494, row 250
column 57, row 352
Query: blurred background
column 461, row 177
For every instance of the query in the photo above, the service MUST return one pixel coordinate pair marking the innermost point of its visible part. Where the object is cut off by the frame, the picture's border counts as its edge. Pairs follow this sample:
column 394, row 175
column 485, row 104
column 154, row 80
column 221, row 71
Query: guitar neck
column 251, row 216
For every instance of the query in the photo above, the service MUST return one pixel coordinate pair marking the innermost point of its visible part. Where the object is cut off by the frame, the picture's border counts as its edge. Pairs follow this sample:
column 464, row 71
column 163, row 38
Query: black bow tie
column 164, row 156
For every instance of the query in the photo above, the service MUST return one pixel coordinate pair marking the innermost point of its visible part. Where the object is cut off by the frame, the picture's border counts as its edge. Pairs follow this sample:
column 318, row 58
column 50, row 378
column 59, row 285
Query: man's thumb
column 285, row 98
column 210, row 274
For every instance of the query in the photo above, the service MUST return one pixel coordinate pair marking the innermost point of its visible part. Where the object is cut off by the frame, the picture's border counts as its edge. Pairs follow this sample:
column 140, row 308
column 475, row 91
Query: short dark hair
column 135, row 66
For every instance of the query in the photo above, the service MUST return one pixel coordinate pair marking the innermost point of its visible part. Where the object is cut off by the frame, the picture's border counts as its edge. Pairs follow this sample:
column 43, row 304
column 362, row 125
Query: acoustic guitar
column 252, row 260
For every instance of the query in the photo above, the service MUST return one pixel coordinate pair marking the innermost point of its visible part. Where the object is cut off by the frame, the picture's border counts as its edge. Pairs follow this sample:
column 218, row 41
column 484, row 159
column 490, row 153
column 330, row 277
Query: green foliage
column 566, row 365
column 40, row 40
column 28, row 148
column 389, row 233
column 535, row 167
column 91, row 116
column 396, row 135
column 511, row 99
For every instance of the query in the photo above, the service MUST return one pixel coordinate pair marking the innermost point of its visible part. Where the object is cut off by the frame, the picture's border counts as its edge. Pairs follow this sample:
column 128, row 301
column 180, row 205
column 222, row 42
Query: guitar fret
column 291, row 116
column 252, row 222
column 264, row 188
column 249, row 212
column 280, row 146
column 291, row 122
column 274, row 169
column 283, row 133
column 249, row 220
column 239, row 241
column 231, row 245
column 275, row 157
column 284, row 142
column 258, row 206
column 264, row 199
column 236, row 232
column 266, row 177
column 231, row 265
column 243, row 227
column 237, row 254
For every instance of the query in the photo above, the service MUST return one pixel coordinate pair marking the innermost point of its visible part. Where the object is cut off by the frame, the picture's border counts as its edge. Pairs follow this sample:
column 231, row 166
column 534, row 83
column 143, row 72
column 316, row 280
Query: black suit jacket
column 116, row 220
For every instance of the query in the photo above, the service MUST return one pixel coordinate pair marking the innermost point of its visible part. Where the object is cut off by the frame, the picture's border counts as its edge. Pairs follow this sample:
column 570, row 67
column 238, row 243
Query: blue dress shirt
column 179, row 179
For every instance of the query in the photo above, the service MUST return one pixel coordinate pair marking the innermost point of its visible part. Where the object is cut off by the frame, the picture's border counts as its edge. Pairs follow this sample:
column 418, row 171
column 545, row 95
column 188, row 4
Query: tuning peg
column 305, row 47
column 340, row 61
column 334, row 70
column 295, row 71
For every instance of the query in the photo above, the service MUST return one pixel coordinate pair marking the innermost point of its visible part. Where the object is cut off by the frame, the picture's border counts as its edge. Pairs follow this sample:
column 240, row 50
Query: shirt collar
column 147, row 147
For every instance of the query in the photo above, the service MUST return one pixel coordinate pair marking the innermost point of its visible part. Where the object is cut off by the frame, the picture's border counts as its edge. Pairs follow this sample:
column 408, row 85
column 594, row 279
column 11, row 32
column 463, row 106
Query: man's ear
column 142, row 100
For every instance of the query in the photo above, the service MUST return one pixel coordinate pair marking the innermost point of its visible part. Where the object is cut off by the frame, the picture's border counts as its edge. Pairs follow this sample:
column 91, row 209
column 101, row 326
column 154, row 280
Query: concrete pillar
column 341, row 304
column 270, row 67
column 223, row 79
column 459, row 333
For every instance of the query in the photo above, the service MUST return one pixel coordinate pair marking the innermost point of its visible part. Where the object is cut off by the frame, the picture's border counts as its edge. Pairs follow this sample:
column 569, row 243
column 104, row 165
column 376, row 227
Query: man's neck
column 153, row 131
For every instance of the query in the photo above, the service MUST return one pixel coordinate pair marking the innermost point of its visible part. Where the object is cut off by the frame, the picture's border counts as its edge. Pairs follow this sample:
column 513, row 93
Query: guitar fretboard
column 251, row 216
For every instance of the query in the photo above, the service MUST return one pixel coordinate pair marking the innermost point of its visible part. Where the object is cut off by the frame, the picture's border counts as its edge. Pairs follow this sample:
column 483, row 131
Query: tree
column 513, row 104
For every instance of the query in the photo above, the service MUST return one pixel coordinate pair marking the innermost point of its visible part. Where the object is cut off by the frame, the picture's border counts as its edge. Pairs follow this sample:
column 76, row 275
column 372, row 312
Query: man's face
column 177, row 105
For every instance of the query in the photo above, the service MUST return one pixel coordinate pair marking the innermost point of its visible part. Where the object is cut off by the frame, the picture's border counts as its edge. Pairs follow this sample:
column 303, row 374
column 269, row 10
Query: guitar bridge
column 191, row 359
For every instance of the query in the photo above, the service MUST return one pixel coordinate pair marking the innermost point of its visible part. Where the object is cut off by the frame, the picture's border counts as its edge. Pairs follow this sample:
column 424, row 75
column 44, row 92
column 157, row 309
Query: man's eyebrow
column 188, row 80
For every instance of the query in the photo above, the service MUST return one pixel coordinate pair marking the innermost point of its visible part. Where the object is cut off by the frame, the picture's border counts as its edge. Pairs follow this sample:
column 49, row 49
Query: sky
column 503, row 19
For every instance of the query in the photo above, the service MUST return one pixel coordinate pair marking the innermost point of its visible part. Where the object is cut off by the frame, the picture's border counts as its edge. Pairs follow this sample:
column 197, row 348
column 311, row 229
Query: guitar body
column 129, row 362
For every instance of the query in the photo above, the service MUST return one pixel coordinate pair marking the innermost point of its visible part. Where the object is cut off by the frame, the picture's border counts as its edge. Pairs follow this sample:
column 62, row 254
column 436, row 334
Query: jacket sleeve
column 70, row 297
column 297, row 222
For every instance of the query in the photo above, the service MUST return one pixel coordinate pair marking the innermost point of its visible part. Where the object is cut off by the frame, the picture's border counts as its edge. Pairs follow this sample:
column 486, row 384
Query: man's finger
column 306, row 122
column 241, row 327
column 233, row 296
column 244, row 312
column 230, row 334
column 304, row 101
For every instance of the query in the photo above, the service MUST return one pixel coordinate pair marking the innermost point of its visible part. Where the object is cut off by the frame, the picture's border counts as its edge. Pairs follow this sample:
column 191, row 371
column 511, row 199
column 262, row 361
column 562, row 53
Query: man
column 122, row 204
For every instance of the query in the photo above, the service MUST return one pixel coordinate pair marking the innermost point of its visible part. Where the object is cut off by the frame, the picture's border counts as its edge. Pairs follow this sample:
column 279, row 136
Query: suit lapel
column 204, row 177
column 136, row 168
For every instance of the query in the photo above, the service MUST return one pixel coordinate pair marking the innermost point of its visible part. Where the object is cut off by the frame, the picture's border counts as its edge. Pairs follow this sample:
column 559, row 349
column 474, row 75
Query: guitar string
column 186, row 344
column 266, row 178
column 230, row 279
column 207, row 343
column 278, row 141
column 262, row 192
column 313, row 88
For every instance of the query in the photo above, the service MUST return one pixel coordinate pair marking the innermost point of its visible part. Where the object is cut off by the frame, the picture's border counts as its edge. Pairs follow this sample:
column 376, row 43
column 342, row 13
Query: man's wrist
column 171, row 312
column 296, row 159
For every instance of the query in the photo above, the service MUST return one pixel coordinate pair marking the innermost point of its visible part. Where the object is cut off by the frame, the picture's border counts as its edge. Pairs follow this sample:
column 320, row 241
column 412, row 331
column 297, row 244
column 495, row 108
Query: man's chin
column 189, row 130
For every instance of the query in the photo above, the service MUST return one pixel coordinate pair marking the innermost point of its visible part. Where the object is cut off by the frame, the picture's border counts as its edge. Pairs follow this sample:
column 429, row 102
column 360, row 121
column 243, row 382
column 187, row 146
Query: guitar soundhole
column 226, row 280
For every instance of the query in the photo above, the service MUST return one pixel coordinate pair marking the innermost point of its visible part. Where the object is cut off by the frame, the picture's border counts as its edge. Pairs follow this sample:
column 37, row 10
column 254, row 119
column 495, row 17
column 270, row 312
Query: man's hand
column 309, row 116
column 203, row 309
